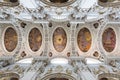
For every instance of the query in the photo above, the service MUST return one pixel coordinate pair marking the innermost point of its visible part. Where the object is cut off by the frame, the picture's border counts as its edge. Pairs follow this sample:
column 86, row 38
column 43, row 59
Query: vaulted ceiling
column 45, row 10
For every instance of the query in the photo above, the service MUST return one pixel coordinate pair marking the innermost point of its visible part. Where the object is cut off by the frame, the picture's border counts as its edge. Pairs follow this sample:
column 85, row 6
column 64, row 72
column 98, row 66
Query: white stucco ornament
column 59, row 61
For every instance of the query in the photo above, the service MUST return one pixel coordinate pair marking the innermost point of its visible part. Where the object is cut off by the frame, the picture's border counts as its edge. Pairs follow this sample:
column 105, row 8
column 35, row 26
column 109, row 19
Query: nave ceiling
column 46, row 10
column 65, row 38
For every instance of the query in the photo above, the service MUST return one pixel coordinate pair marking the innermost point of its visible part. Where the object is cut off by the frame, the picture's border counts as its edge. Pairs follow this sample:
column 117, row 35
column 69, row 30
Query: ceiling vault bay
column 59, row 39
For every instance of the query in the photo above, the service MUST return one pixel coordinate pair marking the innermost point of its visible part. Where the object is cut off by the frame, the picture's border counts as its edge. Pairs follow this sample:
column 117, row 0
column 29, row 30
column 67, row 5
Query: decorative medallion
column 59, row 39
column 58, row 3
column 50, row 54
column 68, row 54
column 10, row 39
column 95, row 54
column 109, row 40
column 84, row 39
column 35, row 39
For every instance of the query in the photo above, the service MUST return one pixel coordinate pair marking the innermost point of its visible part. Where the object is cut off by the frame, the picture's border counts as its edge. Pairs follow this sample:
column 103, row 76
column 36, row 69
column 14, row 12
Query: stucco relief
column 59, row 39
column 10, row 39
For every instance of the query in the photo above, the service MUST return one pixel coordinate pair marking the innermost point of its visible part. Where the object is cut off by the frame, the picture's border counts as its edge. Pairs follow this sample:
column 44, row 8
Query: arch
column 108, row 76
column 57, row 75
column 9, row 76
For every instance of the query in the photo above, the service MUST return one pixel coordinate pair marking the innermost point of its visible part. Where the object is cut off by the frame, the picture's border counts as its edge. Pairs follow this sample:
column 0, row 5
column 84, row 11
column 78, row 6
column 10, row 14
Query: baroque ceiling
column 46, row 10
column 81, row 47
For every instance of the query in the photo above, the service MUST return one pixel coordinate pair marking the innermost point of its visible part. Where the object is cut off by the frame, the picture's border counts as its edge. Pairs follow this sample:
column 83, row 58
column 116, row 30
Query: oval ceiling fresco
column 10, row 39
column 59, row 39
column 84, row 39
column 35, row 39
column 109, row 40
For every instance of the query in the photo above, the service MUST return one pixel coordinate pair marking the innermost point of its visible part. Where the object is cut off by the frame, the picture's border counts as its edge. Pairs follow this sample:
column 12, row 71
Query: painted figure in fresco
column 109, row 39
column 84, row 39
column 10, row 39
column 59, row 39
column 35, row 39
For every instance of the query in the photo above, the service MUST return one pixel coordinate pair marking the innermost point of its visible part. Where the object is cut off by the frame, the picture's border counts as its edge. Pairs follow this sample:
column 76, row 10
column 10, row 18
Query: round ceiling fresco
column 35, row 39
column 58, row 3
column 109, row 40
column 59, row 39
column 10, row 39
column 84, row 39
